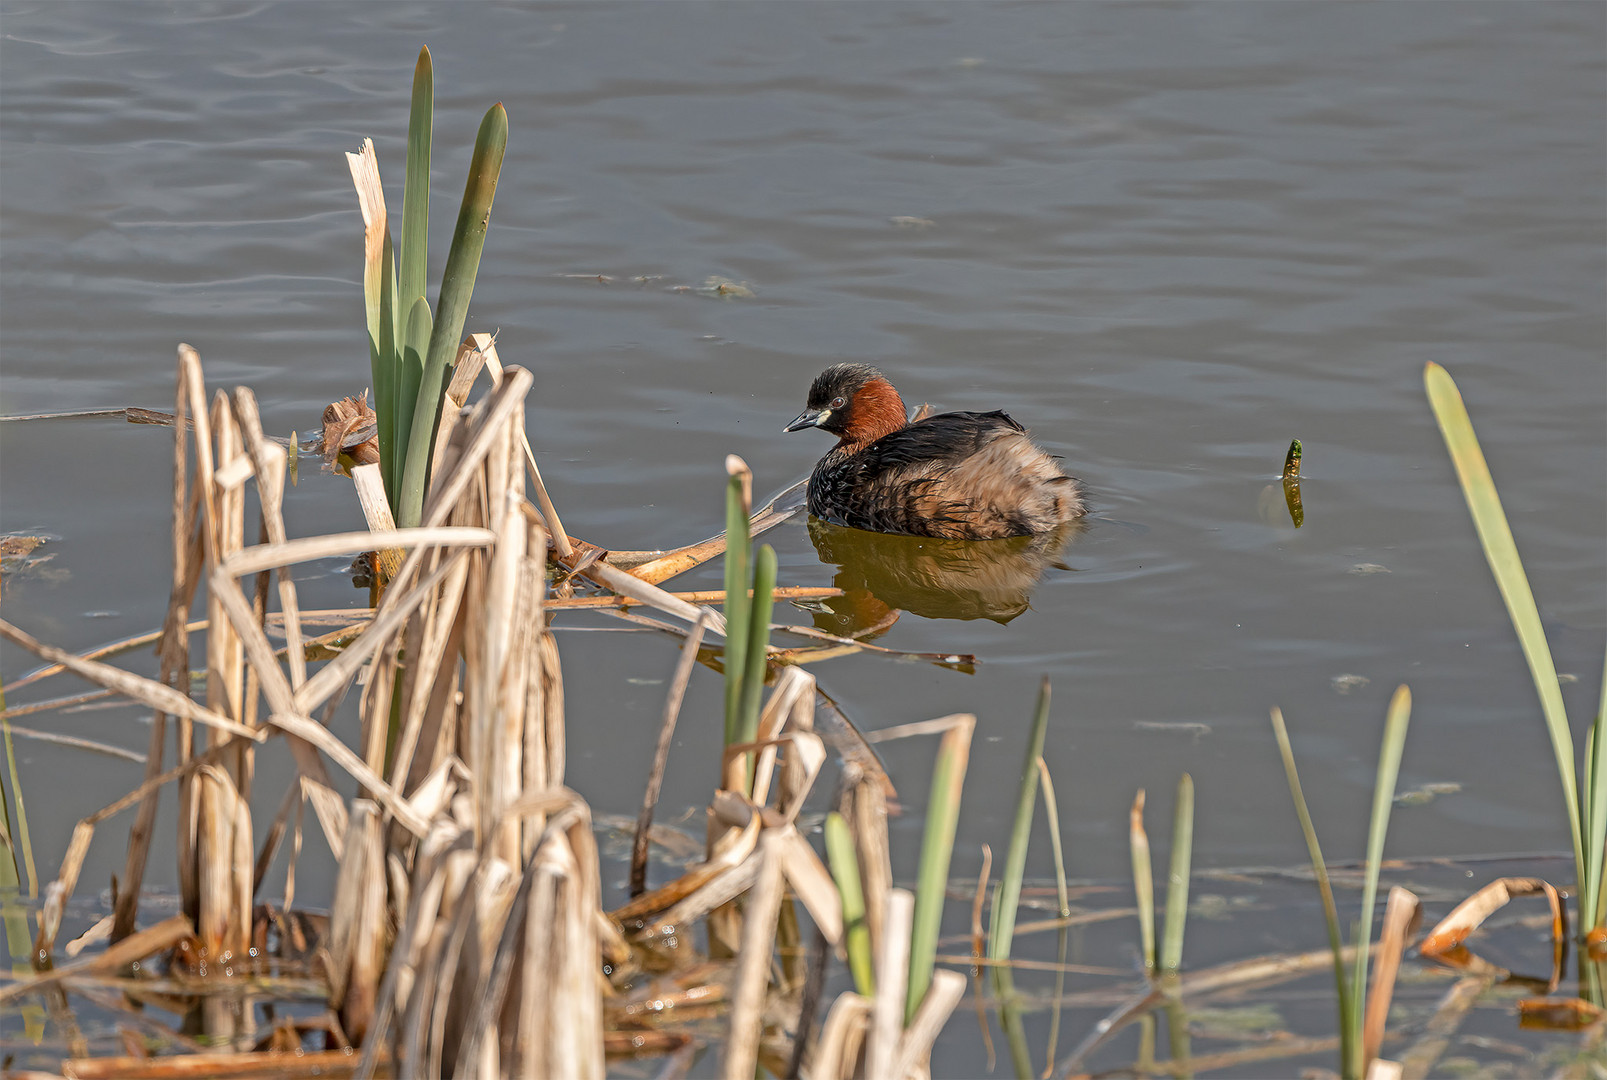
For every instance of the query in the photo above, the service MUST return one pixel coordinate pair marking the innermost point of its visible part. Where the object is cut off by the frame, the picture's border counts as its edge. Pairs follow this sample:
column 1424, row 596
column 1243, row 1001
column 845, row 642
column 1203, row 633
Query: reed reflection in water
column 882, row 575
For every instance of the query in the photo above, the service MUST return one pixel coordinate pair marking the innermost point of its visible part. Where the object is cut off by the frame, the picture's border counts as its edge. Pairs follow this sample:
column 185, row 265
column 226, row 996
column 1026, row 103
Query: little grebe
column 959, row 475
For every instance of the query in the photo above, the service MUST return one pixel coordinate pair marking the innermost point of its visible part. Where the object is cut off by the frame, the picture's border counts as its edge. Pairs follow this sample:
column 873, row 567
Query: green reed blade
column 386, row 410
column 1177, row 882
column 1015, row 859
column 1015, row 1032
column 1501, row 551
column 753, row 666
column 844, row 861
column 1143, row 880
column 409, row 374
column 737, row 604
column 942, row 816
column 1594, row 826
column 1051, row 810
column 413, row 258
column 1349, row 1035
column 452, row 306
column 379, row 290
column 1389, row 767
column 10, row 877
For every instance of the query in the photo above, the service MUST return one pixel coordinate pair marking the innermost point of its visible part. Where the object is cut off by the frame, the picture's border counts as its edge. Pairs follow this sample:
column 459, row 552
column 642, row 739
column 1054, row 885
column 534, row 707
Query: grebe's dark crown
column 840, row 380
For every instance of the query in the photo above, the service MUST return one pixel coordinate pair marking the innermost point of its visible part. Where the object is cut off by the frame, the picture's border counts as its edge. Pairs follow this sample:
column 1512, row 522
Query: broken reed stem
column 174, row 661
column 661, row 755
column 753, row 964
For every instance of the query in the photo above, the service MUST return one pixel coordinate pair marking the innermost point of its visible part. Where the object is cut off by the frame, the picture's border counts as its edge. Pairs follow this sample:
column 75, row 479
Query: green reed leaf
column 737, row 604
column 844, row 859
column 1349, row 1034
column 937, row 847
column 1177, row 881
column 1015, row 859
column 414, row 342
column 1143, row 880
column 1501, row 551
column 754, row 666
column 413, row 258
column 452, row 307
column 1389, row 767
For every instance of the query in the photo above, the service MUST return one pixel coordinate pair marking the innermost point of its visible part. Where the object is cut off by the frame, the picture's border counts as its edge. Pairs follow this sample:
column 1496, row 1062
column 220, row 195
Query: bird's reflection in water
column 881, row 575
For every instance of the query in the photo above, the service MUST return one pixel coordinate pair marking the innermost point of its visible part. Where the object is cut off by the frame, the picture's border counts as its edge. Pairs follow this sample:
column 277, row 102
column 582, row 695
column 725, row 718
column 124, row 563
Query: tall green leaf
column 1177, row 882
column 1478, row 487
column 1015, row 859
column 844, row 859
column 413, row 259
column 452, row 307
column 409, row 374
column 754, row 667
column 937, row 847
column 1389, row 767
column 737, row 604
column 1595, row 824
column 1143, row 881
column 1349, row 1034
column 16, row 833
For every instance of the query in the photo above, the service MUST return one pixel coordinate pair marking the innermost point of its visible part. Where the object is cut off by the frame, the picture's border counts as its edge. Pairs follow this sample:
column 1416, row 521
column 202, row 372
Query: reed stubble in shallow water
column 466, row 935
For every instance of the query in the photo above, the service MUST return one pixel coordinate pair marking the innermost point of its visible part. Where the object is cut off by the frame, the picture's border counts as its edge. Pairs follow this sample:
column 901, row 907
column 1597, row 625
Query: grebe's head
column 855, row 402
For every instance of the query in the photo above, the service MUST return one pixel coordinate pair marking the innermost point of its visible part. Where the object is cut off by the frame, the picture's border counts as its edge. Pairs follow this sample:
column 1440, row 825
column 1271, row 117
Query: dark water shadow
column 882, row 575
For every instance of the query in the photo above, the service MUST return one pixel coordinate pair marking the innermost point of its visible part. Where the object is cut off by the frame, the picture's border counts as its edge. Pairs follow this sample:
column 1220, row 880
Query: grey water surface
column 1166, row 239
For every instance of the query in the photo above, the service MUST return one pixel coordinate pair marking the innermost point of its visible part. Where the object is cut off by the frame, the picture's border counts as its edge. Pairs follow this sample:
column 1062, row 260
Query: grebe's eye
column 837, row 402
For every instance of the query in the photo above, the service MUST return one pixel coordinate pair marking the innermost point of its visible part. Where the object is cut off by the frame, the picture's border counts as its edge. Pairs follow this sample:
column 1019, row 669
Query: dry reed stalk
column 174, row 666
column 892, row 978
column 864, row 807
column 266, row 1065
column 370, row 487
column 125, row 684
column 356, row 940
column 560, row 1021
column 136, row 946
column 269, row 459
column 626, row 584
column 701, row 596
column 465, row 369
column 915, row 1046
column 413, row 934
column 657, row 566
column 192, row 386
column 433, row 638
column 753, row 963
column 538, row 757
column 661, row 756
column 485, row 347
column 223, row 925
column 842, row 1037
column 1401, row 915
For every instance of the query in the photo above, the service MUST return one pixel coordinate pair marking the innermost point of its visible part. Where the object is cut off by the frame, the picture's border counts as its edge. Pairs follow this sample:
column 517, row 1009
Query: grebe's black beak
column 808, row 419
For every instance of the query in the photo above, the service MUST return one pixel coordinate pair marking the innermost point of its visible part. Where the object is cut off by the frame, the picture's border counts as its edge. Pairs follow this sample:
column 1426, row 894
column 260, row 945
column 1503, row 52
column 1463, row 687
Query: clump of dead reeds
column 466, row 935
